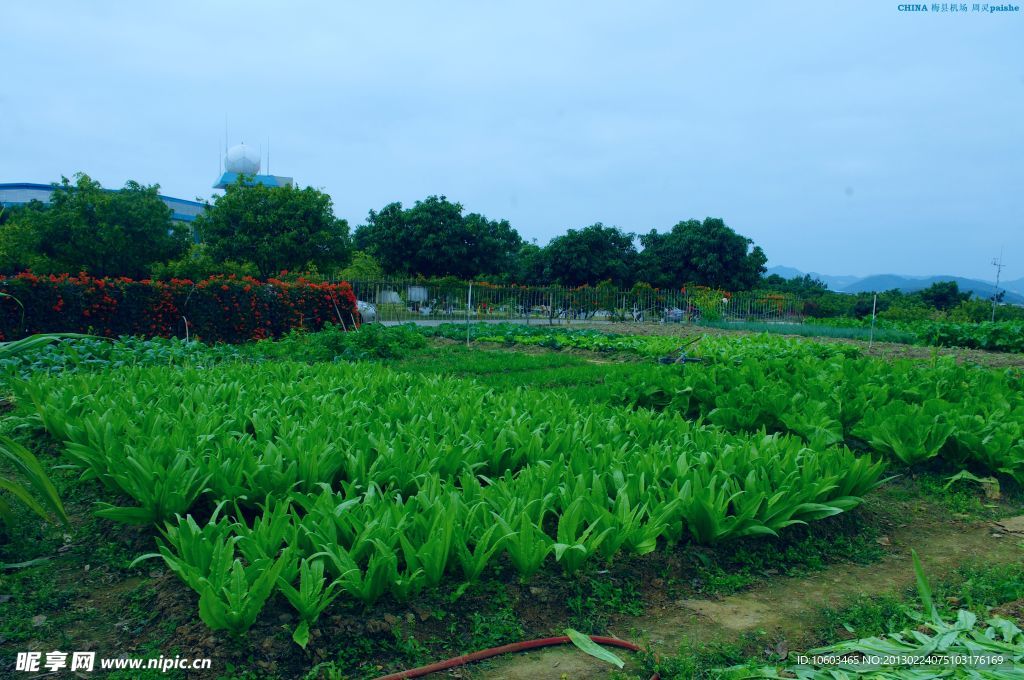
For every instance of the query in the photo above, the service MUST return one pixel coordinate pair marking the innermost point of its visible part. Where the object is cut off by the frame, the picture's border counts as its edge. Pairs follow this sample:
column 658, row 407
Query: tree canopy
column 708, row 253
column 530, row 262
column 362, row 266
column 275, row 228
column 590, row 255
column 804, row 286
column 434, row 238
column 254, row 229
column 87, row 228
column 943, row 295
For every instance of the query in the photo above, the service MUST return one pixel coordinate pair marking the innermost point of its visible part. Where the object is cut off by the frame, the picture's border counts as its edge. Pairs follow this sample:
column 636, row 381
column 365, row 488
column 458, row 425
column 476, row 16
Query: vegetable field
column 423, row 489
column 995, row 336
column 824, row 394
column 335, row 475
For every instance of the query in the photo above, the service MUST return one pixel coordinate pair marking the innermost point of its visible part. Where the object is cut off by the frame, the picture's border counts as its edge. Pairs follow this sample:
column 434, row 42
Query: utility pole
column 998, row 264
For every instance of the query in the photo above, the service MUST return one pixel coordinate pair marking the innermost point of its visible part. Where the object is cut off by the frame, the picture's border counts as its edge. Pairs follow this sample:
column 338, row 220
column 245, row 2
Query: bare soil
column 786, row 609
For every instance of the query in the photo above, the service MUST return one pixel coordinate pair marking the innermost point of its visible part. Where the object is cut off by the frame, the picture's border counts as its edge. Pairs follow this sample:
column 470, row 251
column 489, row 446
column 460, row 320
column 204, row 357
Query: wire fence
column 397, row 300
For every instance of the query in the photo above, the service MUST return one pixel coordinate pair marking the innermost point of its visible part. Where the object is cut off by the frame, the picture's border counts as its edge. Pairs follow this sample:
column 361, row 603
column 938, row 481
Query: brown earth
column 785, row 609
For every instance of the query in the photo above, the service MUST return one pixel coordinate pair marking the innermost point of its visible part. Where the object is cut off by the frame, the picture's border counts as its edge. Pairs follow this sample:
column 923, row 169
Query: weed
column 865, row 617
column 737, row 565
column 493, row 629
column 593, row 600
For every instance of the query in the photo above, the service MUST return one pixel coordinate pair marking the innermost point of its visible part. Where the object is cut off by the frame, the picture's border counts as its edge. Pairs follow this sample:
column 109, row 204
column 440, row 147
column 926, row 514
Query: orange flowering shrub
column 217, row 309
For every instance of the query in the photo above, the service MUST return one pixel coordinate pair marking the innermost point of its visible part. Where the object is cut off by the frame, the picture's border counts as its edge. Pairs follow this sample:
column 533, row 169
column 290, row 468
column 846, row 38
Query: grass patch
column 976, row 586
column 865, row 617
column 594, row 600
column 963, row 498
column 700, row 660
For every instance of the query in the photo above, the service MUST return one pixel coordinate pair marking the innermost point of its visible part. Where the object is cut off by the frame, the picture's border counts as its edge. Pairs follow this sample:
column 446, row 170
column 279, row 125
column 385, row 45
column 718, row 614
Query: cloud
column 556, row 115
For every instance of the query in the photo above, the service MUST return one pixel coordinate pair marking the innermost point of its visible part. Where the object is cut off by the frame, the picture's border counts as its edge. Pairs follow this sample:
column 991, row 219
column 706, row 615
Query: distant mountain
column 1015, row 286
column 882, row 282
column 833, row 282
column 907, row 284
column 785, row 272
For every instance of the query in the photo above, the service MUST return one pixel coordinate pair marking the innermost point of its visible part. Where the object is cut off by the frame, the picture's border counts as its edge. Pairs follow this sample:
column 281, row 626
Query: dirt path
column 785, row 608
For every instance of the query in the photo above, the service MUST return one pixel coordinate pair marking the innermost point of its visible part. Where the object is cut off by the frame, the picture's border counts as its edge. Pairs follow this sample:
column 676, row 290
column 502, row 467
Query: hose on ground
column 506, row 649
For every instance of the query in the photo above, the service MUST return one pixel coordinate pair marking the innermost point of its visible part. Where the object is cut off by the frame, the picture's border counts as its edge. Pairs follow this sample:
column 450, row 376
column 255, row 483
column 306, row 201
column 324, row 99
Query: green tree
column 434, row 238
column 595, row 253
column 531, row 262
column 943, row 295
column 86, row 228
column 196, row 265
column 362, row 266
column 20, row 240
column 274, row 228
column 491, row 246
column 7, row 213
column 708, row 253
column 804, row 286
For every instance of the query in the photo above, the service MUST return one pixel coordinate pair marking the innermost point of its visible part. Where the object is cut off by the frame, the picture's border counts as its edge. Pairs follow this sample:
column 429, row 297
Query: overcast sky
column 843, row 137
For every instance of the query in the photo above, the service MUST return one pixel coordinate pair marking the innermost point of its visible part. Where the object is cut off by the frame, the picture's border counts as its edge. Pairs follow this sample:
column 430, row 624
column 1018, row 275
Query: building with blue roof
column 244, row 160
column 19, row 193
column 239, row 160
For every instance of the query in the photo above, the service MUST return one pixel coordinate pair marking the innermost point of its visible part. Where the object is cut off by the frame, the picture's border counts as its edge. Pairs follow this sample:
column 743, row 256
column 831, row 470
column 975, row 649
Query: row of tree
column 254, row 230
column 941, row 295
column 943, row 300
column 259, row 230
column 435, row 238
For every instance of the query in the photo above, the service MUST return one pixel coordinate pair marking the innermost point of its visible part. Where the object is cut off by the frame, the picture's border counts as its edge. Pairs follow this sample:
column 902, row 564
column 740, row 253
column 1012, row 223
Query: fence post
column 640, row 306
column 874, row 307
column 469, row 304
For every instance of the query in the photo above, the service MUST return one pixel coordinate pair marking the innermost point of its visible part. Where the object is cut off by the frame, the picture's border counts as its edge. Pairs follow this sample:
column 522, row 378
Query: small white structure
column 416, row 294
column 367, row 311
column 243, row 160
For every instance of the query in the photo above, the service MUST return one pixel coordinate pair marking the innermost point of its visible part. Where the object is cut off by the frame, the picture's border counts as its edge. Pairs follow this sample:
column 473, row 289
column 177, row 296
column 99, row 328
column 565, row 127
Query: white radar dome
column 242, row 159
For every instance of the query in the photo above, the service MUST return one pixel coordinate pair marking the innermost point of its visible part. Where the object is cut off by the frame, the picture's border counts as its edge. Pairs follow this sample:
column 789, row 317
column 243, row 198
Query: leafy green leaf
column 585, row 644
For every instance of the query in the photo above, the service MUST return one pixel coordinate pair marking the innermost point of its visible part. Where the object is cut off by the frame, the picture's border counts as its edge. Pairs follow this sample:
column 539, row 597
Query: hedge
column 217, row 309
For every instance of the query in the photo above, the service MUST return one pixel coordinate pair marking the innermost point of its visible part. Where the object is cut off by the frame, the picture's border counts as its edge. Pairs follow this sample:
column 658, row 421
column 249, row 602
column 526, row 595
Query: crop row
column 555, row 337
column 824, row 393
column 332, row 343
column 1000, row 336
column 364, row 482
column 827, row 394
column 600, row 341
column 997, row 336
column 912, row 411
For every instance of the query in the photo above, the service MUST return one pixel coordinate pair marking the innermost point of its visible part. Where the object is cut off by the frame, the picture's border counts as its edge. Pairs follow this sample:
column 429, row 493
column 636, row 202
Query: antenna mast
column 998, row 264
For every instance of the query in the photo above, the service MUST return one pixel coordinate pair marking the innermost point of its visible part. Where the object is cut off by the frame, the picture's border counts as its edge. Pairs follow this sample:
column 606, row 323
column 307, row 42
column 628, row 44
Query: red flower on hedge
column 121, row 306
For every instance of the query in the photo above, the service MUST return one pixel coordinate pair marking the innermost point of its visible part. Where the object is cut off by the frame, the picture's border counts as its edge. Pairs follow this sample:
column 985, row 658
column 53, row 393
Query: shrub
column 216, row 309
